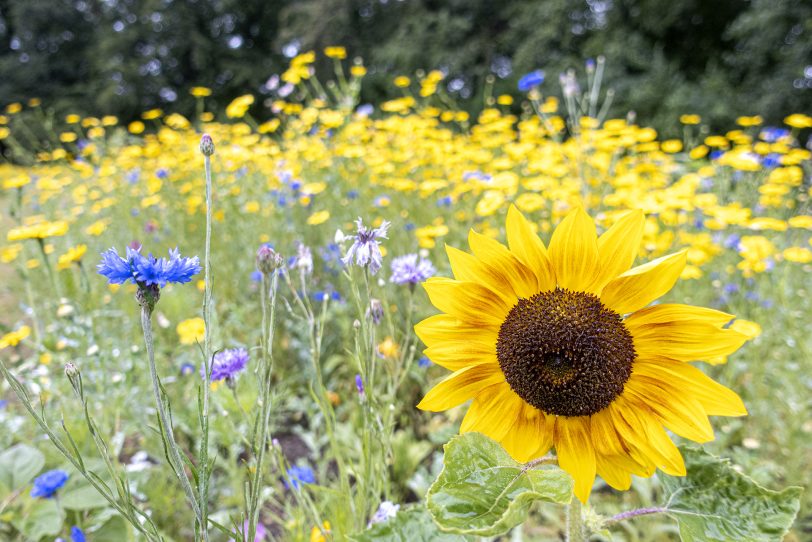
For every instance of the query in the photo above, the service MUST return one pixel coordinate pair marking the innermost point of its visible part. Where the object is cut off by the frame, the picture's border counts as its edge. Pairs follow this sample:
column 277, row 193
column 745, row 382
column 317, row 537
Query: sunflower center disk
column 565, row 353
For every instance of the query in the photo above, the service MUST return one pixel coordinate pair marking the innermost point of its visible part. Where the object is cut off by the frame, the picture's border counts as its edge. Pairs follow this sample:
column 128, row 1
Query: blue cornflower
column 444, row 202
column 227, row 364
column 147, row 270
column 3, row 404
column 296, row 476
column 423, row 362
column 531, row 80
column 162, row 173
column 771, row 134
column 366, row 250
column 76, row 534
column 48, row 483
column 408, row 270
column 359, row 384
column 187, row 369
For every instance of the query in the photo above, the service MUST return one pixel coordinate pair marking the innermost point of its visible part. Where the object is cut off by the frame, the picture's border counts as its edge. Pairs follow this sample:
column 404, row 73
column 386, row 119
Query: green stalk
column 575, row 523
column 203, row 478
column 166, row 424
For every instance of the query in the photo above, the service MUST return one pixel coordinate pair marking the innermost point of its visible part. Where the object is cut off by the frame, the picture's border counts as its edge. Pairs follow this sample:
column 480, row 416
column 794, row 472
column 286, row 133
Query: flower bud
column 206, row 145
column 375, row 311
column 75, row 379
column 268, row 260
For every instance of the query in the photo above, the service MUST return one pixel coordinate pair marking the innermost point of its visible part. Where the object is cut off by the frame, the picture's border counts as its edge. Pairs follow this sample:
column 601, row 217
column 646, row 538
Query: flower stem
column 575, row 523
column 203, row 478
column 166, row 424
column 629, row 514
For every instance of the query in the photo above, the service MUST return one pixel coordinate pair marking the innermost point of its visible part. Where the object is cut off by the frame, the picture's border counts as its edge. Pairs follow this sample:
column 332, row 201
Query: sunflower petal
column 455, row 355
column 684, row 340
column 641, row 285
column 460, row 386
column 530, row 250
column 526, row 437
column 492, row 412
column 468, row 301
column 644, row 432
column 467, row 267
column 618, row 246
column 678, row 412
column 442, row 328
column 716, row 399
column 495, row 255
column 574, row 251
column 674, row 312
column 575, row 452
column 614, row 475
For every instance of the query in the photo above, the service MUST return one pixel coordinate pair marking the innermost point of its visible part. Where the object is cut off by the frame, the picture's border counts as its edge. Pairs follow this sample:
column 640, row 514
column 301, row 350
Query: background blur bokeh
column 724, row 58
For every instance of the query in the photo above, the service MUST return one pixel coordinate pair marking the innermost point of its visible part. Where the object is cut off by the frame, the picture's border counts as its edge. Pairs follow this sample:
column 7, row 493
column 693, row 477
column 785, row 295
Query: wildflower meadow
column 404, row 321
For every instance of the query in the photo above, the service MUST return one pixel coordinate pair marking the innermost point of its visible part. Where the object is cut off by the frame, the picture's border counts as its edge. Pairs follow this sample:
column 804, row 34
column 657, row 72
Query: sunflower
column 558, row 347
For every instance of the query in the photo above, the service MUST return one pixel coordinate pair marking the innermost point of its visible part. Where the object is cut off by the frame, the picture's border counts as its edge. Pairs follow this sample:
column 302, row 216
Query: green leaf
column 483, row 491
column 413, row 524
column 714, row 502
column 43, row 518
column 85, row 497
column 18, row 466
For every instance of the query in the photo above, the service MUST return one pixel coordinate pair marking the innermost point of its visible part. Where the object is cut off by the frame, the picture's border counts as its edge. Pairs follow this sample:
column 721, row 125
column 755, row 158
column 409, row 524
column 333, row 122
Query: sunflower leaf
column 482, row 491
column 714, row 502
column 412, row 524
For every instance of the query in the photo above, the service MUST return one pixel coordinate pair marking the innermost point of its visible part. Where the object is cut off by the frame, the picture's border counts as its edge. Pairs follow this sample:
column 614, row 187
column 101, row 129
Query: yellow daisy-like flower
column 557, row 347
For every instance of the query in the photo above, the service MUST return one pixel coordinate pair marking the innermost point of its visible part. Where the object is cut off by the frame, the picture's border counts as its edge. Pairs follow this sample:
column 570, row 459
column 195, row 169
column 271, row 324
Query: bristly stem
column 575, row 522
column 166, row 424
column 629, row 514
column 203, row 478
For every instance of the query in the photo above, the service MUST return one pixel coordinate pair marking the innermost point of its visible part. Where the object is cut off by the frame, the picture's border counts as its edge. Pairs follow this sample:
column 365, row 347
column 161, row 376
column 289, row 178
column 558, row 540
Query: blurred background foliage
column 664, row 58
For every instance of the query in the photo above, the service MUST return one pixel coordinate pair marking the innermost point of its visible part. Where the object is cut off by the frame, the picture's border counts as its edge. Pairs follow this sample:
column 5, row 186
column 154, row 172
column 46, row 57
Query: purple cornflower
column 297, row 476
column 365, row 249
column 48, row 483
column 531, row 80
column 359, row 385
column 408, row 270
column 227, row 364
column 147, row 270
column 260, row 533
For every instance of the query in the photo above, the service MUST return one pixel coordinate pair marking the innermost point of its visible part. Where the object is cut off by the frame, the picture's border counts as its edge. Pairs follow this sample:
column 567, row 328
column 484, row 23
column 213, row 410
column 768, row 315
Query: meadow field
column 309, row 429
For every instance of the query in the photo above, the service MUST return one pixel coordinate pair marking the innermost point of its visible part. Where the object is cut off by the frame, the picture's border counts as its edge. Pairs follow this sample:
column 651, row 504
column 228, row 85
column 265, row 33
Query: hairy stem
column 166, row 424
column 575, row 523
column 629, row 514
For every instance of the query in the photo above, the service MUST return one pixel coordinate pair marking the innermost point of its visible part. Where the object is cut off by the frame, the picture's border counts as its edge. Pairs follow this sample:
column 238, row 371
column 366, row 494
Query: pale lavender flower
column 387, row 510
column 408, row 270
column 303, row 259
column 366, row 250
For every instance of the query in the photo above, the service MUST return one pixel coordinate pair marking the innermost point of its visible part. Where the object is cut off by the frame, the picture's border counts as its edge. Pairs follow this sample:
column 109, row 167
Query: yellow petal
column 618, row 247
column 716, row 399
column 642, row 429
column 575, row 452
column 530, row 250
column 458, row 387
column 684, row 340
column 467, row 267
column 641, row 285
column 574, row 251
column 495, row 255
column 526, row 437
column 455, row 355
column 493, row 412
column 672, row 312
column 614, row 475
column 679, row 412
column 442, row 328
column 468, row 301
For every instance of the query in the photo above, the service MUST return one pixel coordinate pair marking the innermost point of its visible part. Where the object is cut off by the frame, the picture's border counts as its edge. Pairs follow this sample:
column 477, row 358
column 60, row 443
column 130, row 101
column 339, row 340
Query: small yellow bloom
column 336, row 52
column 191, row 331
column 358, row 71
column 73, row 118
column 316, row 534
column 152, row 114
column 14, row 108
column 402, row 81
column 67, row 137
column 14, row 338
column 504, row 99
column 798, row 255
column 798, row 120
column 74, row 254
column 388, row 348
column 690, row 119
column 136, row 127
column 200, row 92
column 319, row 217
column 746, row 122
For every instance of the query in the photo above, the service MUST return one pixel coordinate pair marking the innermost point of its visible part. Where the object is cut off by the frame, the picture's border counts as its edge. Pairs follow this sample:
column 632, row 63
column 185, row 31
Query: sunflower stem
column 575, row 522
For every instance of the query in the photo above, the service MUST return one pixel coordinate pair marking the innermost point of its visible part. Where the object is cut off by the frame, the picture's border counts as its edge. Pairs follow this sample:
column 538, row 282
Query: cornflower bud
column 206, row 145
